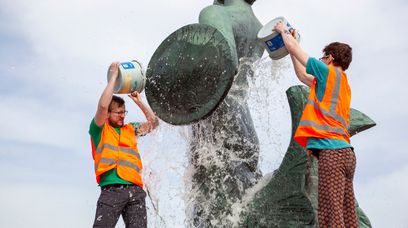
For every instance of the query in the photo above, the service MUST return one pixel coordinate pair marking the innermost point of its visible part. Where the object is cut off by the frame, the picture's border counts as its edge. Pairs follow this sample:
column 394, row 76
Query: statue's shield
column 189, row 74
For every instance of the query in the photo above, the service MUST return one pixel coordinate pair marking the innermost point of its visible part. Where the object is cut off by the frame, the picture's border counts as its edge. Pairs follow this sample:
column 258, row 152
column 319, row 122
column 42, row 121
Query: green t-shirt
column 111, row 176
column 320, row 71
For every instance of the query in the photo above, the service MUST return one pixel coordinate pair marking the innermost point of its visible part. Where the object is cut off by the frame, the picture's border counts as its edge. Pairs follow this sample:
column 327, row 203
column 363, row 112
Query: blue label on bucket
column 275, row 43
column 127, row 65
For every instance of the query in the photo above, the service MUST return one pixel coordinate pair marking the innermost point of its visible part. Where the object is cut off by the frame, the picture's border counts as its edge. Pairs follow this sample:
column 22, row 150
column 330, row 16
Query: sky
column 53, row 61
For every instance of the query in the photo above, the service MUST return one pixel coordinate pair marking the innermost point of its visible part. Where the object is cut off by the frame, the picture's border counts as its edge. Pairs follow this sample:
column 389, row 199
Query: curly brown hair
column 341, row 52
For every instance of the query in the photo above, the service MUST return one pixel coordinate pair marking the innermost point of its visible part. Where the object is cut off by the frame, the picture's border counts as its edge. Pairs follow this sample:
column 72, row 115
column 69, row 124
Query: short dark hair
column 341, row 52
column 117, row 100
column 250, row 2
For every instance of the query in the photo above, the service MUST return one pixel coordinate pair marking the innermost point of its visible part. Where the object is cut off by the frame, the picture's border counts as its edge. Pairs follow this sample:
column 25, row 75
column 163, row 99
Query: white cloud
column 28, row 120
column 384, row 199
column 46, row 205
column 100, row 31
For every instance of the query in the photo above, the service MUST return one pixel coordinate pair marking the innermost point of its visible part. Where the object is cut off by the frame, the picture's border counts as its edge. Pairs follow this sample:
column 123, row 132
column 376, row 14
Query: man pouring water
column 117, row 161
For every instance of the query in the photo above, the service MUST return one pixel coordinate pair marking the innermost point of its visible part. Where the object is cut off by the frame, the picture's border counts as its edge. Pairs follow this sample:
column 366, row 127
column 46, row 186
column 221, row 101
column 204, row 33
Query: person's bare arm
column 291, row 44
column 152, row 120
column 298, row 56
column 106, row 97
column 300, row 71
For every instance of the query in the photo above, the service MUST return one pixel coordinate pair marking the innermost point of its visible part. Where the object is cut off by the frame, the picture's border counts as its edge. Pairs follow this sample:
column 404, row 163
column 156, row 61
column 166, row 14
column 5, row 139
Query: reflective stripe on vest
column 111, row 161
column 117, row 148
column 321, row 127
column 311, row 125
column 332, row 113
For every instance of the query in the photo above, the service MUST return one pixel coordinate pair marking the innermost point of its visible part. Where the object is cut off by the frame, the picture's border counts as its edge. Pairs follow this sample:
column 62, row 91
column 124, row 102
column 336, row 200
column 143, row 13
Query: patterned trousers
column 336, row 195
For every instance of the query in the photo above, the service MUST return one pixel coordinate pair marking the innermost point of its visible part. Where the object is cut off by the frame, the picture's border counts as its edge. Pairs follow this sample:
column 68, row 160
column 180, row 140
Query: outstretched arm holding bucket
column 298, row 56
column 300, row 71
column 291, row 44
column 106, row 97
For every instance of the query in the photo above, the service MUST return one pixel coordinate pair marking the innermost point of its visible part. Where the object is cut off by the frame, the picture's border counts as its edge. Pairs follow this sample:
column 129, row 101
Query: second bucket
column 272, row 40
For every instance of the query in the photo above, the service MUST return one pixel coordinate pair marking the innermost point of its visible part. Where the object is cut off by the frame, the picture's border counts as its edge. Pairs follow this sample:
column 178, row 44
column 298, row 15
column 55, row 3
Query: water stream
column 166, row 153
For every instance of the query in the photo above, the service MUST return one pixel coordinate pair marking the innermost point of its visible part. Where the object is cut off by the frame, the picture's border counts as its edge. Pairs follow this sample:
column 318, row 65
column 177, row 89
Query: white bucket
column 131, row 78
column 273, row 41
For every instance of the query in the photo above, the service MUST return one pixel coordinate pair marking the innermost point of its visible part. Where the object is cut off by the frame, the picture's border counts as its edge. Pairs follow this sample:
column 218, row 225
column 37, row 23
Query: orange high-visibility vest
column 120, row 152
column 328, row 118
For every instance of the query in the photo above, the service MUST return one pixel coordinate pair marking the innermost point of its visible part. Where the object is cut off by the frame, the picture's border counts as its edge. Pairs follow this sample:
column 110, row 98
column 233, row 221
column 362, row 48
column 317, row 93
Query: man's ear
column 331, row 58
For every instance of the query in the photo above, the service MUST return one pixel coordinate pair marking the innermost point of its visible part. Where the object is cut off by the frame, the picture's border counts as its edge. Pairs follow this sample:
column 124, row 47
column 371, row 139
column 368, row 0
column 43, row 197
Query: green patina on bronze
column 189, row 74
column 228, row 134
column 192, row 70
column 192, row 78
column 289, row 199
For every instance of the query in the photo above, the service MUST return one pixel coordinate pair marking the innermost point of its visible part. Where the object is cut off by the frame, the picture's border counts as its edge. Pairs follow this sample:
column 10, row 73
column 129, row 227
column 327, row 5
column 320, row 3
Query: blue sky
column 53, row 61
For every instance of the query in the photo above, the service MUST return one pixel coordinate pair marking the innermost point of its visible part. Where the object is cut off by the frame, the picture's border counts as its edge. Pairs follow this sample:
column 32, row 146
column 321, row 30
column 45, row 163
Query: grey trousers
column 125, row 200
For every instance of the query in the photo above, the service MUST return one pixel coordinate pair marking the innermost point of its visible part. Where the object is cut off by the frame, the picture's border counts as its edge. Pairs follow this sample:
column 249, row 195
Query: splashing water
column 171, row 179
